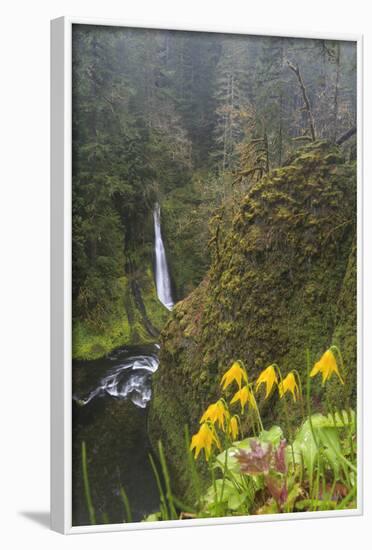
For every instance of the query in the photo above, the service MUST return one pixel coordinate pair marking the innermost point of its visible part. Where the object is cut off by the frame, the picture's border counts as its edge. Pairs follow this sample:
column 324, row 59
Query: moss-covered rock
column 281, row 281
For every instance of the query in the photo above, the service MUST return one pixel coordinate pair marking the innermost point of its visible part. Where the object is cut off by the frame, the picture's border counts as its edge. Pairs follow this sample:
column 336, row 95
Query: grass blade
column 128, row 512
column 169, row 495
column 163, row 506
column 88, row 498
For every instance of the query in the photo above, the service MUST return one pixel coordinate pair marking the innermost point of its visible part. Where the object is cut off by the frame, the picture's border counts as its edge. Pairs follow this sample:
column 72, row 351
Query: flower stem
column 224, row 472
column 257, row 413
column 308, row 403
column 289, row 431
column 301, row 392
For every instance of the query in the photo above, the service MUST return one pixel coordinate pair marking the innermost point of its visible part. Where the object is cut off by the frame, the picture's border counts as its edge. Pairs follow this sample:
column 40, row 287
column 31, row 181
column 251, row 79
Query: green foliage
column 265, row 473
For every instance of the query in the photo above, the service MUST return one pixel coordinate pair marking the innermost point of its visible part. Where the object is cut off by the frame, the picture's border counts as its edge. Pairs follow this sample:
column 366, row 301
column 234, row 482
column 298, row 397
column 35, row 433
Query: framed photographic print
column 206, row 276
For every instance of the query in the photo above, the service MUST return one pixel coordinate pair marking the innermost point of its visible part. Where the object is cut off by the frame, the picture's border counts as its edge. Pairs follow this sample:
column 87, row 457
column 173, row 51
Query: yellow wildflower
column 204, row 439
column 268, row 377
column 233, row 428
column 216, row 413
column 244, row 395
column 235, row 372
column 327, row 365
column 289, row 384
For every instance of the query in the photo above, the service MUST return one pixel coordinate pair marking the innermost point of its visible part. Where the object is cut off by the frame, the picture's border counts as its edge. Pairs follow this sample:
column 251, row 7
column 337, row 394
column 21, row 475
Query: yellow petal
column 327, row 365
column 315, row 369
column 235, row 373
column 289, row 384
column 233, row 427
column 268, row 377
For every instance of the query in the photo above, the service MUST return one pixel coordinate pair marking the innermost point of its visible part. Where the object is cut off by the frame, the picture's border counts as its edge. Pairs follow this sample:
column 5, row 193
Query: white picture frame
column 61, row 215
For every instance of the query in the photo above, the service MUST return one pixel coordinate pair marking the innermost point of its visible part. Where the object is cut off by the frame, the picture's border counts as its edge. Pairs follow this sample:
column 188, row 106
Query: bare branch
column 296, row 71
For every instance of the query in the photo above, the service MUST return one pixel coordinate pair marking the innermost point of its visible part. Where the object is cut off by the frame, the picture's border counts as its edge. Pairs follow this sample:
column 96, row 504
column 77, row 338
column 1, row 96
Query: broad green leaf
column 244, row 444
column 231, row 463
column 327, row 436
column 340, row 419
column 228, row 490
column 236, row 500
column 156, row 516
column 304, row 448
column 273, row 436
column 231, row 495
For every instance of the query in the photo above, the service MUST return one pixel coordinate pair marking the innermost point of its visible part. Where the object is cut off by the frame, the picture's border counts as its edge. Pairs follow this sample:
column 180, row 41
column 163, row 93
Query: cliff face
column 282, row 280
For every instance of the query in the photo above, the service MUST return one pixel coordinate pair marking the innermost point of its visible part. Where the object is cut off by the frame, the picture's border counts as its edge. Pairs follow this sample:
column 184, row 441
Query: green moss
column 88, row 344
column 155, row 311
column 131, row 322
column 345, row 337
column 277, row 286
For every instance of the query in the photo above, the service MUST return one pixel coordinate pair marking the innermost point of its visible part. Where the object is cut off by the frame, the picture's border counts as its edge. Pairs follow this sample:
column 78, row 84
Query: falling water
column 163, row 285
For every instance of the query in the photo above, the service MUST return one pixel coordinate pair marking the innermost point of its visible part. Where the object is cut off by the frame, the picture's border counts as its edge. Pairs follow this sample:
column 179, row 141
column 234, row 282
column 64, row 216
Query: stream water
column 109, row 413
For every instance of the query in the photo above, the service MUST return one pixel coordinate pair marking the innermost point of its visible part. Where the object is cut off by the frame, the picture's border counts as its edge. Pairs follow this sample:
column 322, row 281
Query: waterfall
column 163, row 286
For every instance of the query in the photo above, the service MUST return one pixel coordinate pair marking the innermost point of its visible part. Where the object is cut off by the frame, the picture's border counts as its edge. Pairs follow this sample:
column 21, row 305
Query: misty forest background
column 192, row 121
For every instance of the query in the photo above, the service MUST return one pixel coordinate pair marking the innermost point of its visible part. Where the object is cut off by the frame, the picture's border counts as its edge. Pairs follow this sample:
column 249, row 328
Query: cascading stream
column 162, row 279
column 130, row 379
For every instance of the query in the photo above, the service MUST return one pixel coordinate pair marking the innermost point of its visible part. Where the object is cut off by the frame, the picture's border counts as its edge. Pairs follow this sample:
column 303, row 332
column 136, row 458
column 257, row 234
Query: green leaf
column 273, row 436
column 156, row 516
column 293, row 494
column 231, row 496
column 327, row 436
column 270, row 507
column 236, row 500
column 340, row 419
column 330, row 439
column 304, row 448
column 232, row 464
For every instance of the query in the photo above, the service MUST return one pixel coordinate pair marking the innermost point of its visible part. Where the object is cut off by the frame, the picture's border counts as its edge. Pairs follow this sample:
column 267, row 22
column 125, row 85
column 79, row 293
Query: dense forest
column 228, row 162
column 192, row 121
